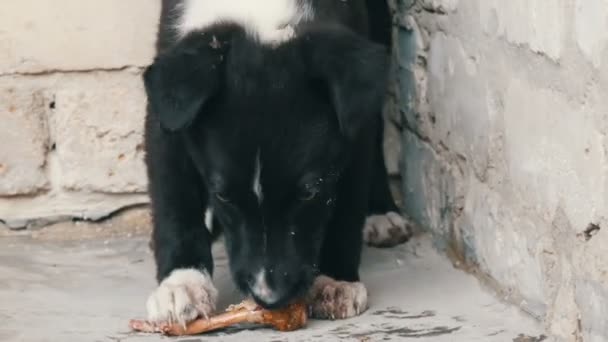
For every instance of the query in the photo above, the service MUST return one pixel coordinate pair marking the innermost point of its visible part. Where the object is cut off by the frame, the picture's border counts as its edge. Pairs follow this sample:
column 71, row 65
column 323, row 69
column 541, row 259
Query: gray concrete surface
column 86, row 290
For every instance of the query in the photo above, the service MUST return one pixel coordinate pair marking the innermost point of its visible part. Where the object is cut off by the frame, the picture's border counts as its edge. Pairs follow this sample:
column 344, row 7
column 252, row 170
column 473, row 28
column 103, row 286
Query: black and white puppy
column 264, row 122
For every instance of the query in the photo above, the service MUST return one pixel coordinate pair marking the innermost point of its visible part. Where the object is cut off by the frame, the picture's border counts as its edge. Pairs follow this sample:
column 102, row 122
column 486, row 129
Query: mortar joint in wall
column 46, row 72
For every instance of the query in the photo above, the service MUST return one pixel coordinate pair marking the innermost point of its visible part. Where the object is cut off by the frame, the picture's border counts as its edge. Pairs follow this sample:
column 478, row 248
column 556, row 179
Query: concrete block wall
column 505, row 147
column 72, row 107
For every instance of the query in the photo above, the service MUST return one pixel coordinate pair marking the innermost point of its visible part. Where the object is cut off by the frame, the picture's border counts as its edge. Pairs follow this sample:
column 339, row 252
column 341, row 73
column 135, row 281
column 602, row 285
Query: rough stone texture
column 97, row 124
column 41, row 35
column 24, row 136
column 91, row 134
column 537, row 24
column 591, row 18
column 72, row 106
column 505, row 148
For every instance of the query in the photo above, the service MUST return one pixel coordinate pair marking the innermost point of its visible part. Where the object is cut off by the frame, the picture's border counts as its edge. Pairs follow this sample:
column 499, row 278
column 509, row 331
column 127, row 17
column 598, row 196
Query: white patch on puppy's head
column 270, row 21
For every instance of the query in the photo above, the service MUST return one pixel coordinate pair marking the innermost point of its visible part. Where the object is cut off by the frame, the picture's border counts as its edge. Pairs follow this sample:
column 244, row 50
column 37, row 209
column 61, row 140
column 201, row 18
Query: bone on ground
column 293, row 317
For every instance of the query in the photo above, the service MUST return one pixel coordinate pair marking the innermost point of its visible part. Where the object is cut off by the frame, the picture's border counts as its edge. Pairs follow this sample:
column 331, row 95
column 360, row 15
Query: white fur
column 257, row 186
column 182, row 297
column 271, row 21
column 261, row 289
column 387, row 230
column 209, row 218
column 332, row 299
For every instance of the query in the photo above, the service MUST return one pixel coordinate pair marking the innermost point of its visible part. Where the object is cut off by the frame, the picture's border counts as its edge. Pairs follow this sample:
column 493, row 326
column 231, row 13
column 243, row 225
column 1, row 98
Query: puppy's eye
column 308, row 195
column 222, row 197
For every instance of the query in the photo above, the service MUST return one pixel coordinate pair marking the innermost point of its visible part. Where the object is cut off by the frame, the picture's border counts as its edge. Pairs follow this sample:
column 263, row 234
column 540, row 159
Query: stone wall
column 505, row 122
column 71, row 107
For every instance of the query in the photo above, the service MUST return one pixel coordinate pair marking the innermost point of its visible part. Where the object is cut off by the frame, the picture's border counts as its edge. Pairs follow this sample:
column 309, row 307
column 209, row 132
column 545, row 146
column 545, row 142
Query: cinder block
column 440, row 6
column 49, row 35
column 429, row 188
column 592, row 297
column 555, row 153
column 23, row 138
column 98, row 124
column 591, row 25
column 505, row 242
column 461, row 118
column 538, row 24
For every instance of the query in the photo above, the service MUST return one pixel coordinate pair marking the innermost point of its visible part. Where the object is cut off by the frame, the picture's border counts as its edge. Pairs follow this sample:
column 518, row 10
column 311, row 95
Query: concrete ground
column 85, row 284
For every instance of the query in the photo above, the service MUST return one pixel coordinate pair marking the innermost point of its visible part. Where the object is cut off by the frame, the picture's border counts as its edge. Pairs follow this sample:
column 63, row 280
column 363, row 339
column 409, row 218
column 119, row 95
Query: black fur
column 310, row 109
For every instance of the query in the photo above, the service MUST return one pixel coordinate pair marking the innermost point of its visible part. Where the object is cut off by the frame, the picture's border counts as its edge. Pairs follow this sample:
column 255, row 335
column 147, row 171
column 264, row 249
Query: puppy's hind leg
column 384, row 226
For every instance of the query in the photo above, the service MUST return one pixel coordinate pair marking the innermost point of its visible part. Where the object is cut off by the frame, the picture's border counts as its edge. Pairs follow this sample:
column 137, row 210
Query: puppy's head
column 271, row 131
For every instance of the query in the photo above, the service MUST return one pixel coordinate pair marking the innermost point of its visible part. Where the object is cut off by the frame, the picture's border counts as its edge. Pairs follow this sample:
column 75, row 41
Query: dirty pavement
column 84, row 283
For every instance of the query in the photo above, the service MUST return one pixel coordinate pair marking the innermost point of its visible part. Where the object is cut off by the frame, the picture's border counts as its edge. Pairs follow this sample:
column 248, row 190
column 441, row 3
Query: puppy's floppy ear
column 184, row 78
column 355, row 71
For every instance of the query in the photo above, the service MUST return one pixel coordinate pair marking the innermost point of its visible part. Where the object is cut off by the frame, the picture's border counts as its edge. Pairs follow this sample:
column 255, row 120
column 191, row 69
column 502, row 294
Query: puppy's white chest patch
column 271, row 21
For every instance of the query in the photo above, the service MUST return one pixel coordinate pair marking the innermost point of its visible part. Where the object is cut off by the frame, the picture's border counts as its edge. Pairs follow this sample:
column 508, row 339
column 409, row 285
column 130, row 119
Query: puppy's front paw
column 387, row 230
column 183, row 296
column 332, row 299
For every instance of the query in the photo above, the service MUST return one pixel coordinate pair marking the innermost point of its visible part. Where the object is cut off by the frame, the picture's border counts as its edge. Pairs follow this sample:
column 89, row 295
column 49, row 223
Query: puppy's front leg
column 182, row 250
column 338, row 293
column 182, row 244
column 332, row 299
column 183, row 296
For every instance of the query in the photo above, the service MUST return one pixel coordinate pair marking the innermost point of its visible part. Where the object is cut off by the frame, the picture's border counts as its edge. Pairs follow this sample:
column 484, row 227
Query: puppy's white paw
column 332, row 299
column 387, row 230
column 183, row 296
